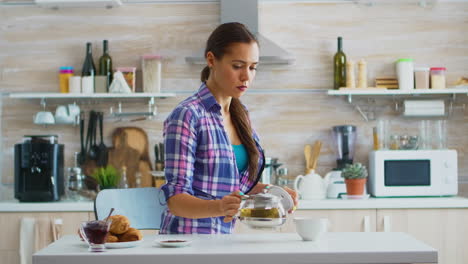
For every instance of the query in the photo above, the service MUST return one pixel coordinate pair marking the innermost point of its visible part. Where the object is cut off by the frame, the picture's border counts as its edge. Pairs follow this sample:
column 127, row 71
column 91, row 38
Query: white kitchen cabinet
column 443, row 229
column 11, row 222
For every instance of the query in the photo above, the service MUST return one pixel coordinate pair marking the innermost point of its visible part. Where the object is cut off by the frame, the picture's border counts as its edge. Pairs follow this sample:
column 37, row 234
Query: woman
column 212, row 154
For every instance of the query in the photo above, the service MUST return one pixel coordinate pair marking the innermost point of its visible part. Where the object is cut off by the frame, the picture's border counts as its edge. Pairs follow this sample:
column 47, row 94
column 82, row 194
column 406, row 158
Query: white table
column 273, row 248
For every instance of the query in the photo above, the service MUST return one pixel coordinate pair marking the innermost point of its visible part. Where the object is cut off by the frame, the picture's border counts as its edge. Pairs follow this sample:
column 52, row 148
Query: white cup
column 44, row 118
column 311, row 229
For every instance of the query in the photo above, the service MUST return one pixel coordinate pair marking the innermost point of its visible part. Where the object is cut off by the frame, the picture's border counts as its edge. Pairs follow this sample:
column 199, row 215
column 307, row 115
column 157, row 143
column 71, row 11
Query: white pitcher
column 311, row 186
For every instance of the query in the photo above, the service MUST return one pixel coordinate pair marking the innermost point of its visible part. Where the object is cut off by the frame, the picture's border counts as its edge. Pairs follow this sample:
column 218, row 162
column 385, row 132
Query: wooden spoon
column 307, row 155
column 315, row 154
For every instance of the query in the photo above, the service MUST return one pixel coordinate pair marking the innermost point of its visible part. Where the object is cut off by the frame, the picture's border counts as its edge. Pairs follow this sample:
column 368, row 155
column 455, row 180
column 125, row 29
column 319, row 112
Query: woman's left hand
column 294, row 196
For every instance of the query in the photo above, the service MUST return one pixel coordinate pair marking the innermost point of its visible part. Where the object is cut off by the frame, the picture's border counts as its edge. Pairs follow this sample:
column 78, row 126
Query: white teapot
column 311, row 186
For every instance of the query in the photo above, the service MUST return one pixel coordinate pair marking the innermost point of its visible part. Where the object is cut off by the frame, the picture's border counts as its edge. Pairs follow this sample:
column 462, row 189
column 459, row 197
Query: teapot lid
column 286, row 199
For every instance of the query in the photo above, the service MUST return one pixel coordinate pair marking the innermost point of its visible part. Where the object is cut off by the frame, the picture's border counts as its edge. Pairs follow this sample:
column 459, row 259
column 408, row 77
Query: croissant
column 120, row 224
column 132, row 234
column 111, row 238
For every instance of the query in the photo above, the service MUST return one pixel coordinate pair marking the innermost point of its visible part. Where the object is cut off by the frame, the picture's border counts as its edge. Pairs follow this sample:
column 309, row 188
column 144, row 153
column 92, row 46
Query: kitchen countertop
column 371, row 203
column 272, row 248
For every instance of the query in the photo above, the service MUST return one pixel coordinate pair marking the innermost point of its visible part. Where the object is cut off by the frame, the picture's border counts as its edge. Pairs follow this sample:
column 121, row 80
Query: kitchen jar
column 405, row 73
column 64, row 75
column 438, row 77
column 421, row 78
column 151, row 68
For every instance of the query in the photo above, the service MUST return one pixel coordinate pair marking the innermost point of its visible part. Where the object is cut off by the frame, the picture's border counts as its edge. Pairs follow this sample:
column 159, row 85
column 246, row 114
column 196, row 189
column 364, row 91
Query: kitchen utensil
column 136, row 138
column 315, row 154
column 103, row 154
column 94, row 149
column 82, row 154
column 266, row 210
column 124, row 155
column 307, row 155
column 311, row 186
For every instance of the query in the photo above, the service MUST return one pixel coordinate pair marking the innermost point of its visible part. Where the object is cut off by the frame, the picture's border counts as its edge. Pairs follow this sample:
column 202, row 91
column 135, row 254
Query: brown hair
column 218, row 43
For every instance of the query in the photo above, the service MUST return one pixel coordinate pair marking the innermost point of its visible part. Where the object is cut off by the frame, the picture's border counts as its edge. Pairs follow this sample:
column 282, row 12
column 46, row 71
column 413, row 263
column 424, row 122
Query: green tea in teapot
column 260, row 212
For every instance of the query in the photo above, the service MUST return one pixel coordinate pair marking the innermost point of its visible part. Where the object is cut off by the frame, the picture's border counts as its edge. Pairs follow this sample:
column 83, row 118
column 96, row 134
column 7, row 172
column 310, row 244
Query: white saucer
column 173, row 243
column 123, row 244
column 355, row 197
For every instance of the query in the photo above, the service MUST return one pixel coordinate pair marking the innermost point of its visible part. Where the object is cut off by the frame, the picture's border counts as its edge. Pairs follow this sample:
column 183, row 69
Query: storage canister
column 151, row 68
column 438, row 77
column 129, row 75
column 405, row 74
column 65, row 73
column 421, row 78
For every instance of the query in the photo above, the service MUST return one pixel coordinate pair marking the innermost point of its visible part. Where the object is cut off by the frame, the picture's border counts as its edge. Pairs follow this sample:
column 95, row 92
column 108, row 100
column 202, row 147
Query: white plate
column 173, row 243
column 355, row 197
column 123, row 244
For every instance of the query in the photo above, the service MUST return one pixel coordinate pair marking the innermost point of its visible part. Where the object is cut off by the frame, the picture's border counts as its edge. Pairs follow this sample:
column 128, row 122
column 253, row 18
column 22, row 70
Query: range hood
column 78, row 3
column 246, row 12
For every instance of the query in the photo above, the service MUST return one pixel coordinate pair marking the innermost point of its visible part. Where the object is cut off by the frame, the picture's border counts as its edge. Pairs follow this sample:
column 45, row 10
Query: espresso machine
column 39, row 169
column 344, row 138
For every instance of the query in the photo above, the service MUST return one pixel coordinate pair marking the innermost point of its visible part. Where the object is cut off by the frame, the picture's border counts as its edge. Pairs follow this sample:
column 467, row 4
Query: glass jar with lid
column 438, row 77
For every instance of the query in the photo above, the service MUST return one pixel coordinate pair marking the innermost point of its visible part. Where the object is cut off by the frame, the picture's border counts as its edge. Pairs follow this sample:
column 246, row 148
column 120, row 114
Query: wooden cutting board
column 137, row 139
column 124, row 155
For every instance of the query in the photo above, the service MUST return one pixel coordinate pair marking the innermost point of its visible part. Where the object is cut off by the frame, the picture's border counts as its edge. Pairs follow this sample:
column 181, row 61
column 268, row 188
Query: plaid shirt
column 200, row 161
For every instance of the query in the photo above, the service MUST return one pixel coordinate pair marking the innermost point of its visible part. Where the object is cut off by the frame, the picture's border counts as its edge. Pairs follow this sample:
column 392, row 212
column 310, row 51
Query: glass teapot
column 266, row 210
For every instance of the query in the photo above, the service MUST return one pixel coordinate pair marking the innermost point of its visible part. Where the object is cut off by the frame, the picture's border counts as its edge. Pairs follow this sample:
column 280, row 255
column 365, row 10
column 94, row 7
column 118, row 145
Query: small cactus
column 354, row 171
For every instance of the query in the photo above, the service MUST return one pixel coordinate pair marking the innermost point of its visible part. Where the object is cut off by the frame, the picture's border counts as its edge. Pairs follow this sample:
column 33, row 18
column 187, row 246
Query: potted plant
column 355, row 176
column 107, row 177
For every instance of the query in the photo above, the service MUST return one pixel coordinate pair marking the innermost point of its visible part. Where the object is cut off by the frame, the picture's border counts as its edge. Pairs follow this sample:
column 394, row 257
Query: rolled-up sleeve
column 180, row 144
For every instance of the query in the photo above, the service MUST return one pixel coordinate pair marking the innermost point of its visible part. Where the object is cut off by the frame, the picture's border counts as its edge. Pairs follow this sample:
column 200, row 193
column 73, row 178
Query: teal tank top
column 242, row 157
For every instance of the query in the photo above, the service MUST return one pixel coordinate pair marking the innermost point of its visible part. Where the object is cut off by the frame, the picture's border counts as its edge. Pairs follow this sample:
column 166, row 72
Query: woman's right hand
column 230, row 205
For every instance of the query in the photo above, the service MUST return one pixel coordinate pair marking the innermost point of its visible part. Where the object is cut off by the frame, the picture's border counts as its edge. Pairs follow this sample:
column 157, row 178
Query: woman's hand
column 230, row 205
column 294, row 196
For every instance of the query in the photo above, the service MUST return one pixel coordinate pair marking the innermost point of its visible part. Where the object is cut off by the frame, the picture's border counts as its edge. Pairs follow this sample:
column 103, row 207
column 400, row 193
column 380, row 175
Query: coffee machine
column 344, row 138
column 39, row 169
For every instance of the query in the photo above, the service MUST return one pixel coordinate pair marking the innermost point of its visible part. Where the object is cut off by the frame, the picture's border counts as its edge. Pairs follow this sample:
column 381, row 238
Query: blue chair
column 142, row 206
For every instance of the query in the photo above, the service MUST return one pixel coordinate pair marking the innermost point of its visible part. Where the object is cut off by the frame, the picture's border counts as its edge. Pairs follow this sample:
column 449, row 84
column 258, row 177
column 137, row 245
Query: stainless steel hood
column 246, row 12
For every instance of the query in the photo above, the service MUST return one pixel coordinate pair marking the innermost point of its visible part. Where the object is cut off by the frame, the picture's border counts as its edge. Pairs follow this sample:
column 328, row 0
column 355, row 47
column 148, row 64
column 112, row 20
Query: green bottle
column 105, row 65
column 339, row 64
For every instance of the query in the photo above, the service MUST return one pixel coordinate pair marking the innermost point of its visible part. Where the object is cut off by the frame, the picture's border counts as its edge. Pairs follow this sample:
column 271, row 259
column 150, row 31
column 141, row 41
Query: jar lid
column 66, row 68
column 405, row 59
column 151, row 56
column 422, row 69
column 438, row 68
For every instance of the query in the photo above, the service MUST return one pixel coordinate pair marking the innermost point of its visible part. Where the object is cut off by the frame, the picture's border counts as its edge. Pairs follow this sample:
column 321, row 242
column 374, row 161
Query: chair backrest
column 142, row 206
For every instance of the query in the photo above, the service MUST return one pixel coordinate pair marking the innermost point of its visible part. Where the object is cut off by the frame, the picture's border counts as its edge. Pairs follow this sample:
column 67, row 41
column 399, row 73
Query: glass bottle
column 88, row 72
column 105, row 64
column 339, row 63
column 123, row 179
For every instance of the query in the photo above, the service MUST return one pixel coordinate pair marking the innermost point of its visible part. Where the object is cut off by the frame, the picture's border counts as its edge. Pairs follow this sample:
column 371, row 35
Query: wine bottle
column 339, row 67
column 88, row 72
column 105, row 64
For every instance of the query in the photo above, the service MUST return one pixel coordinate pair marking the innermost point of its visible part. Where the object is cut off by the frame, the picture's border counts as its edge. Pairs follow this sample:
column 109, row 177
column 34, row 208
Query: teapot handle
column 296, row 183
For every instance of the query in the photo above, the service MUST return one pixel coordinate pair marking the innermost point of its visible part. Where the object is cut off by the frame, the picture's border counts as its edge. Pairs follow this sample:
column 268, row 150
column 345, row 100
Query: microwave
column 403, row 173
